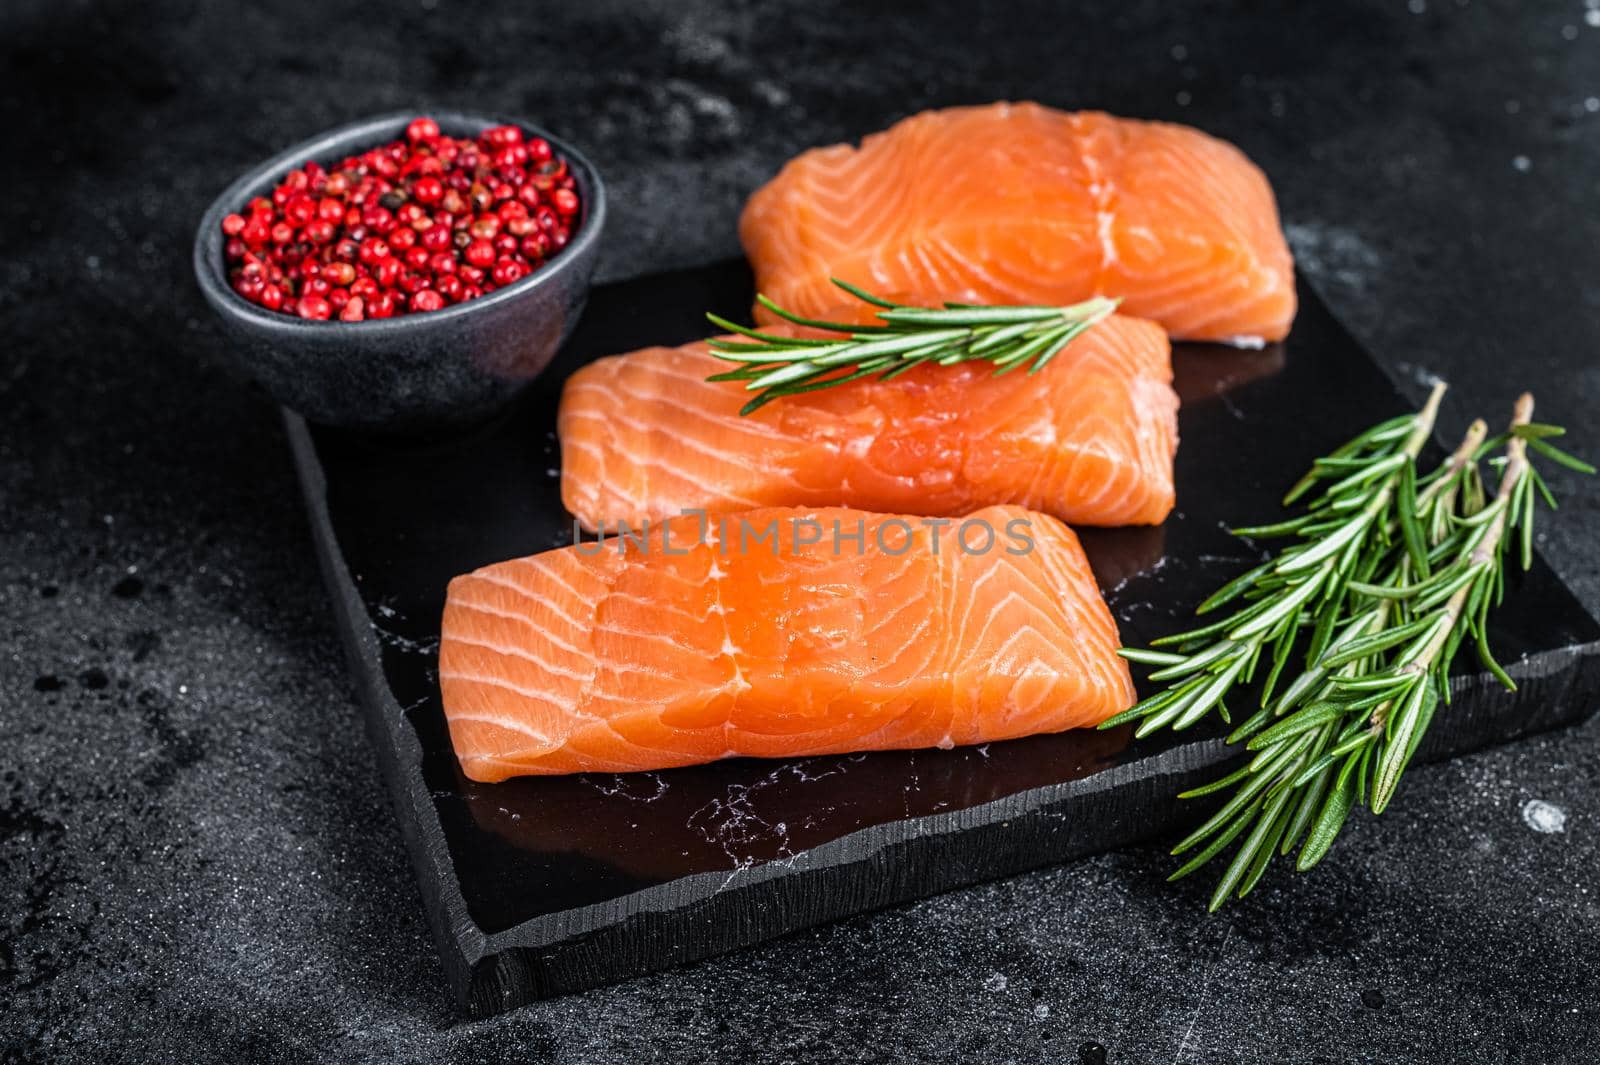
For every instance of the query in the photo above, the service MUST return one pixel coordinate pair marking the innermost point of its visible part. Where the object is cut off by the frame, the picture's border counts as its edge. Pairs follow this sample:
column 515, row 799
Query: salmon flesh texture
column 1089, row 439
column 1018, row 203
column 707, row 643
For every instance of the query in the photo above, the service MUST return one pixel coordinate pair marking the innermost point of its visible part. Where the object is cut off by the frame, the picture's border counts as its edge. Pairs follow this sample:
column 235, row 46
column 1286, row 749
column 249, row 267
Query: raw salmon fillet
column 639, row 659
column 1017, row 203
column 1089, row 439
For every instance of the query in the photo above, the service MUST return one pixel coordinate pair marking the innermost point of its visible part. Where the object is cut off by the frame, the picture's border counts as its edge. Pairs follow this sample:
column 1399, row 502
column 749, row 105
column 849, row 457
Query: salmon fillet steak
column 776, row 633
column 1018, row 203
column 1089, row 439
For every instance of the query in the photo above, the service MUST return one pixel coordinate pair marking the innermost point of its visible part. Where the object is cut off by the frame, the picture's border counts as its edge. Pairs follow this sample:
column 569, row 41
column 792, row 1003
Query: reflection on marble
column 1203, row 373
column 750, row 810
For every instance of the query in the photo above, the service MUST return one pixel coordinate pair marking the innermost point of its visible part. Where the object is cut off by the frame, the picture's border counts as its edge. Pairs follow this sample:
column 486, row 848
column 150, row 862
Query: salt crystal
column 1544, row 817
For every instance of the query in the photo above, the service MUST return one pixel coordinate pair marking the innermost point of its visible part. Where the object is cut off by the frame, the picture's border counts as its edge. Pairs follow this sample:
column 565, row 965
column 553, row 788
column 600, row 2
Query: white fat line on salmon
column 894, row 536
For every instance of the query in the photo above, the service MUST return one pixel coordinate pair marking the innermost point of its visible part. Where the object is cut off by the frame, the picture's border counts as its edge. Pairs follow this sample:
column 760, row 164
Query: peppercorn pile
column 411, row 226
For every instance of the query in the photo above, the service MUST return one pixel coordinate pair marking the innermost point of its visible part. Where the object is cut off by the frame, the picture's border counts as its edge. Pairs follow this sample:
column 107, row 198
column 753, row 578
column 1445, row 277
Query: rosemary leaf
column 905, row 337
column 1386, row 572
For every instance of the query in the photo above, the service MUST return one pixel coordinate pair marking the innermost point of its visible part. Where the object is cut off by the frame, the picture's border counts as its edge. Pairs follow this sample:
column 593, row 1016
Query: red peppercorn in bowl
column 404, row 272
column 419, row 224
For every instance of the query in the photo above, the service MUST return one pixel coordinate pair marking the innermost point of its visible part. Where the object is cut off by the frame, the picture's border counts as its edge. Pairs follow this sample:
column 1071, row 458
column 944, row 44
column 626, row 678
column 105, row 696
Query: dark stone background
column 197, row 859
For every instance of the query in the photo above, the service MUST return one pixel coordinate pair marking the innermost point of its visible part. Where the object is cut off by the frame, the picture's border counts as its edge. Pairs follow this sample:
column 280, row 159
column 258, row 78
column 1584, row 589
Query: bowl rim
column 210, row 270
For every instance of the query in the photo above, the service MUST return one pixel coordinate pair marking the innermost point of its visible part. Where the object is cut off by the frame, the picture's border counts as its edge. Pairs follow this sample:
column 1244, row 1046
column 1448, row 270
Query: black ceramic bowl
column 418, row 371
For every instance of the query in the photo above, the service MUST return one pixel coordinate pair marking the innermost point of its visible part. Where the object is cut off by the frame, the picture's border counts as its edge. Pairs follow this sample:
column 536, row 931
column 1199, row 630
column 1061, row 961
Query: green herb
column 1417, row 567
column 1339, row 538
column 1007, row 337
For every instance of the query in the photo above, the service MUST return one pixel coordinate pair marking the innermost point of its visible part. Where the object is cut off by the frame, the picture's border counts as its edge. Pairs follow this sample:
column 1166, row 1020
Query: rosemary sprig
column 1372, row 482
column 1344, row 731
column 1008, row 337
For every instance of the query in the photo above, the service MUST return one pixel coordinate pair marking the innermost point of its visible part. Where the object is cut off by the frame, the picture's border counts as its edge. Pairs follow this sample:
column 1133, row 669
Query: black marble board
column 543, row 886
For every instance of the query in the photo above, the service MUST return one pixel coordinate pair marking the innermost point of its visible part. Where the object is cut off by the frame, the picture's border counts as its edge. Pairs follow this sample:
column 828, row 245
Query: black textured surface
column 548, row 885
column 197, row 857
